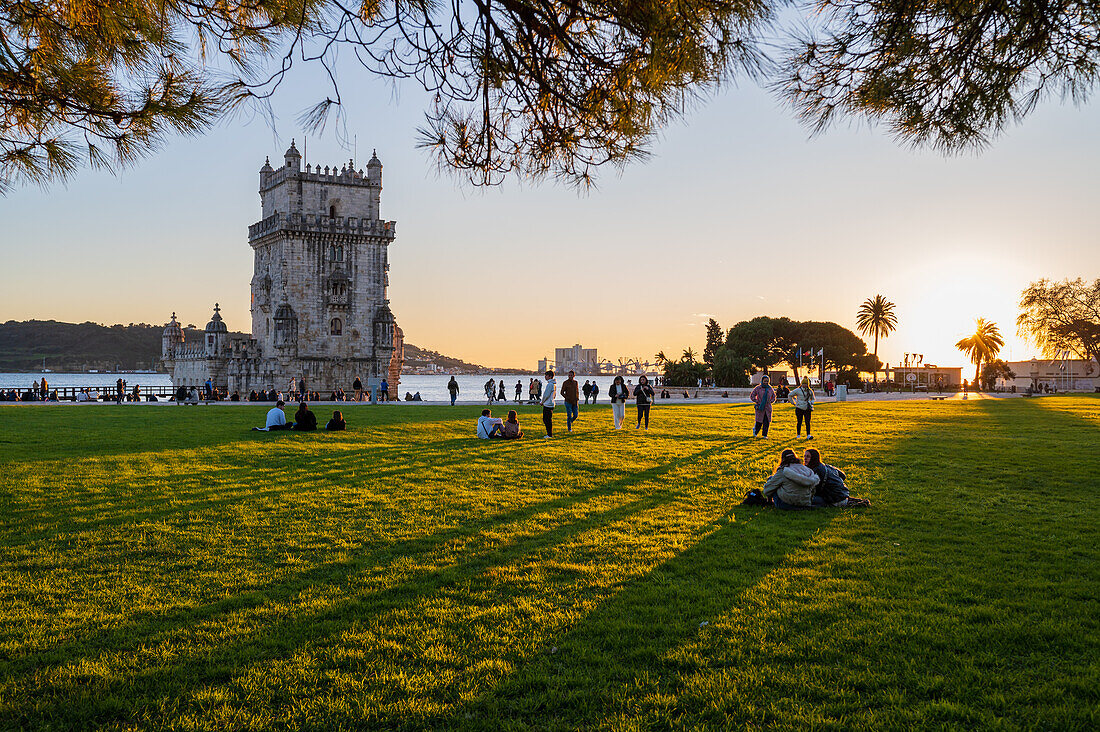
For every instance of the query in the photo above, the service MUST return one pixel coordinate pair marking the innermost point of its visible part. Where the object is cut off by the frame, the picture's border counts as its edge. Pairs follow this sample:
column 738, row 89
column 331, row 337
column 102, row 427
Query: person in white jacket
column 619, row 395
column 803, row 399
column 791, row 486
column 549, row 392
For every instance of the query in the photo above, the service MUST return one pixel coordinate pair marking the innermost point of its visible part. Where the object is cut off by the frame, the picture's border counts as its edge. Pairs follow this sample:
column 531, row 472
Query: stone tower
column 319, row 303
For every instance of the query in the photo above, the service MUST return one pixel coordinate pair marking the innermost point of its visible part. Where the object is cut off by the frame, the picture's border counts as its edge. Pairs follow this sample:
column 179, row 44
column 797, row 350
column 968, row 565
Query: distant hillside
column 81, row 346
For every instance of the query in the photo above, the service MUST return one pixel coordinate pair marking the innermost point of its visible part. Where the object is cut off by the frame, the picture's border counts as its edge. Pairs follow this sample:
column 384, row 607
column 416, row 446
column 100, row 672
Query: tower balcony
column 318, row 224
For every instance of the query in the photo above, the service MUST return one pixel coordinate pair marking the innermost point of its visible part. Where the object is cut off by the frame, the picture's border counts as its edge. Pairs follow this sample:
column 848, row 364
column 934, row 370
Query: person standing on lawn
column 619, row 395
column 501, row 396
column 803, row 398
column 643, row 396
column 595, row 391
column 586, row 390
column 763, row 397
column 519, row 391
column 570, row 394
column 452, row 387
column 357, row 385
column 549, row 392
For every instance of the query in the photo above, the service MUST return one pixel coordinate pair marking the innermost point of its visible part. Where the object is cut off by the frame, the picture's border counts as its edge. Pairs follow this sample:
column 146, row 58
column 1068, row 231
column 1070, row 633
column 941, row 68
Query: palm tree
column 876, row 317
column 661, row 358
column 983, row 345
column 689, row 355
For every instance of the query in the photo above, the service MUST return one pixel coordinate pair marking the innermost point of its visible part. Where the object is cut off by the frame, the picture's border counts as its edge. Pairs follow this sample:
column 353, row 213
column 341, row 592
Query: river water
column 431, row 388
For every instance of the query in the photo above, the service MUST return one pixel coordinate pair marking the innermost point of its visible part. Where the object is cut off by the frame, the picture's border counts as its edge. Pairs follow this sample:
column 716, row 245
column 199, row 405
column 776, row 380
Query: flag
column 820, row 351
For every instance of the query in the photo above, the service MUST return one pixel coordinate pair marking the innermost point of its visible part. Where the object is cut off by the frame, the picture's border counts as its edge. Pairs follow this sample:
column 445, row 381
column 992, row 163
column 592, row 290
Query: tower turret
column 265, row 171
column 374, row 170
column 292, row 157
column 217, row 334
column 171, row 339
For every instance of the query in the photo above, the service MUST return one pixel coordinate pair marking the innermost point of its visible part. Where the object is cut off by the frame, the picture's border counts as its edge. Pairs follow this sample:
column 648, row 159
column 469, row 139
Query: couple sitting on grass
column 304, row 420
column 490, row 427
column 796, row 485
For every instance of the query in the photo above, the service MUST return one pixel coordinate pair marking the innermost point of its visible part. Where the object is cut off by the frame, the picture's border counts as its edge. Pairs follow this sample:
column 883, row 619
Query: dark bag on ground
column 756, row 498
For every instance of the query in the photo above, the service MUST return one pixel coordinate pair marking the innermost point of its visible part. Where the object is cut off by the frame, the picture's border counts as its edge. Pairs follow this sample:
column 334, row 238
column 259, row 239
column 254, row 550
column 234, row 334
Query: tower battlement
column 344, row 176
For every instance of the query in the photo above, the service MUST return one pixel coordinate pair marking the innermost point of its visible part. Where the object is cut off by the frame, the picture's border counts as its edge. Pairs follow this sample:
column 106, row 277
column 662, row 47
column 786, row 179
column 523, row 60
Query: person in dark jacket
column 337, row 422
column 832, row 489
column 357, row 385
column 571, row 395
column 304, row 420
column 452, row 387
column 643, row 397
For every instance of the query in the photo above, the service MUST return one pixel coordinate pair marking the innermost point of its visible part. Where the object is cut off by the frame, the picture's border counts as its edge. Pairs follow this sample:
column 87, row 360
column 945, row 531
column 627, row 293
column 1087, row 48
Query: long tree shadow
column 270, row 640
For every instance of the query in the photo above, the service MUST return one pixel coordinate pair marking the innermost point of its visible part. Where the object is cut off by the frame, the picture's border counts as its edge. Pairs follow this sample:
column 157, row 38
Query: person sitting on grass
column 276, row 420
column 337, row 422
column 304, row 420
column 832, row 489
column 488, row 426
column 791, row 486
column 512, row 430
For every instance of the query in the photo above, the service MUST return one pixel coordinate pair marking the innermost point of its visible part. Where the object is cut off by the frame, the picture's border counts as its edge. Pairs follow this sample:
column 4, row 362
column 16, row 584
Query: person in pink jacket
column 763, row 397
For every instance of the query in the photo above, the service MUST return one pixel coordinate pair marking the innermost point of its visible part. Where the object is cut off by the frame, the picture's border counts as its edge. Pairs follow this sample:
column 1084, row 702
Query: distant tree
column 684, row 373
column 716, row 338
column 876, row 317
column 689, row 355
column 729, row 370
column 763, row 341
column 1059, row 316
column 661, row 358
column 994, row 370
column 983, row 345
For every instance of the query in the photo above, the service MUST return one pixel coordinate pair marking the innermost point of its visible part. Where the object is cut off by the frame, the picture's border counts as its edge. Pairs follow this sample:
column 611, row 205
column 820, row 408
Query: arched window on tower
column 336, row 327
column 339, row 254
column 332, row 212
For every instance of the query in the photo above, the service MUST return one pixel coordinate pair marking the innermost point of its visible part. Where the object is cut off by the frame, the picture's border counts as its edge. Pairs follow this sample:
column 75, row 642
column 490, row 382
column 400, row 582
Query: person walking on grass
column 490, row 390
column 570, row 394
column 546, row 398
column 586, row 390
column 452, row 387
column 532, row 392
column 803, row 398
column 595, row 391
column 643, row 395
column 763, row 397
column 619, row 395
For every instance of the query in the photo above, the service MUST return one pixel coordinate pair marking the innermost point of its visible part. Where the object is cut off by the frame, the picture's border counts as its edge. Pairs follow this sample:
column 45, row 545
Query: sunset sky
column 738, row 213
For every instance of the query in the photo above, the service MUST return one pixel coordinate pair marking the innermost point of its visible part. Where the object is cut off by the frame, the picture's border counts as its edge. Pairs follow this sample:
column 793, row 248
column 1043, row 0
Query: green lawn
column 165, row 567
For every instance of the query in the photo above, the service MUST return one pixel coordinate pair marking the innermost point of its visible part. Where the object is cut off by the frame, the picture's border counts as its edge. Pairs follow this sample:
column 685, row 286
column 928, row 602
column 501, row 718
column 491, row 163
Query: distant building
column 928, row 376
column 1068, row 375
column 319, row 303
column 579, row 359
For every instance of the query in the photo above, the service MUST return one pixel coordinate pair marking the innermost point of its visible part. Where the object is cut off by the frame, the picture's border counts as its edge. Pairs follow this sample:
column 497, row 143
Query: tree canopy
column 530, row 88
column 1062, row 316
